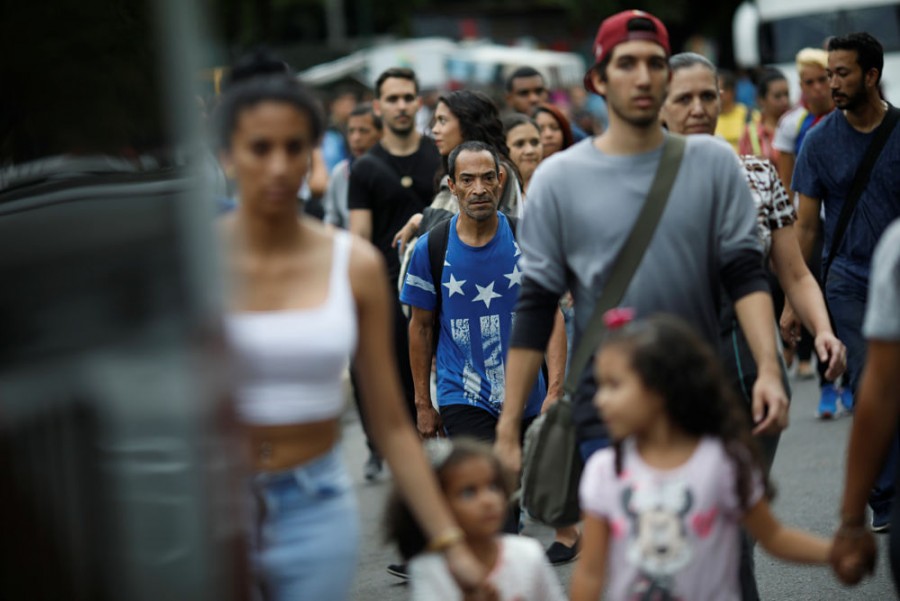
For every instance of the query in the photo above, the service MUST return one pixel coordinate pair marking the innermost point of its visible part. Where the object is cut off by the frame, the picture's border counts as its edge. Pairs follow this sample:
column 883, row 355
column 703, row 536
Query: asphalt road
column 808, row 474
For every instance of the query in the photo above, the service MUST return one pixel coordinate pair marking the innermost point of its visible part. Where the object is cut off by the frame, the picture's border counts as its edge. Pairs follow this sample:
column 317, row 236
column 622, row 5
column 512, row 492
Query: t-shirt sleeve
column 781, row 212
column 806, row 179
column 596, row 491
column 430, row 579
column 883, row 311
column 740, row 251
column 358, row 194
column 786, row 133
column 541, row 234
column 418, row 287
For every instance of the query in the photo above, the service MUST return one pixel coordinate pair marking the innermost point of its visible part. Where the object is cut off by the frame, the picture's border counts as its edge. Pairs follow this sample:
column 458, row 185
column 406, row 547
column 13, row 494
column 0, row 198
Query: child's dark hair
column 401, row 527
column 260, row 77
column 672, row 360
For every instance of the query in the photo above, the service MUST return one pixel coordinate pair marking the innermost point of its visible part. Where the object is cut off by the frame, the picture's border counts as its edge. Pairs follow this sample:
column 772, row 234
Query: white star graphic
column 518, row 252
column 455, row 286
column 447, row 263
column 486, row 294
column 515, row 277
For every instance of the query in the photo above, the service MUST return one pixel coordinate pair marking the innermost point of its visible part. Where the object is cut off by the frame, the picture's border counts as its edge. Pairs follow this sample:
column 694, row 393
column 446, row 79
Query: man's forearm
column 806, row 236
column 421, row 346
column 556, row 357
column 784, row 164
column 757, row 318
column 800, row 287
column 874, row 425
column 805, row 296
column 808, row 224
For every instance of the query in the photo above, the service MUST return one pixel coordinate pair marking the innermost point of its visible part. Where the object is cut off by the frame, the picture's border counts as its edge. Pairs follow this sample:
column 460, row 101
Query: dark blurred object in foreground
column 117, row 479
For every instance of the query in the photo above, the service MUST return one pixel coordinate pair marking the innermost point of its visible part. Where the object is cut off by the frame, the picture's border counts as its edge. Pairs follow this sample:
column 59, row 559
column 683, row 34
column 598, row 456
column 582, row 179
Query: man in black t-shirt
column 395, row 179
column 388, row 185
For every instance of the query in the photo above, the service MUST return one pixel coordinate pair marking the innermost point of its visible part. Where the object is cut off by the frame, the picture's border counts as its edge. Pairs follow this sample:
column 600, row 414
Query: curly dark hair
column 478, row 118
column 401, row 526
column 672, row 360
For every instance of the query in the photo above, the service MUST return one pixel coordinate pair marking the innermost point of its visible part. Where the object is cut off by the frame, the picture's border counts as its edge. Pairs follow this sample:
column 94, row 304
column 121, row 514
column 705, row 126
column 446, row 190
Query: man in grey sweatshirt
column 583, row 203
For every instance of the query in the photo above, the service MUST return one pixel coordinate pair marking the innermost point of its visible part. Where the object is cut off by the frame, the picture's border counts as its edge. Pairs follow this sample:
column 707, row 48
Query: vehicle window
column 780, row 40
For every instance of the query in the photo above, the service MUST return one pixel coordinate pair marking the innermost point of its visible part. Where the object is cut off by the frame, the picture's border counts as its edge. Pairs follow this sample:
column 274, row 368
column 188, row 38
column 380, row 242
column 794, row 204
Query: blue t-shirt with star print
column 479, row 289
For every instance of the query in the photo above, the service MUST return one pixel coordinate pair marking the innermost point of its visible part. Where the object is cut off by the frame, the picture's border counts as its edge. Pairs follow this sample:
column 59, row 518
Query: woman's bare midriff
column 276, row 448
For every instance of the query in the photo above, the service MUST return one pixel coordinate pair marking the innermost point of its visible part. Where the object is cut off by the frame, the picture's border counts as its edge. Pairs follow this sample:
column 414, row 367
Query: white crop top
column 291, row 362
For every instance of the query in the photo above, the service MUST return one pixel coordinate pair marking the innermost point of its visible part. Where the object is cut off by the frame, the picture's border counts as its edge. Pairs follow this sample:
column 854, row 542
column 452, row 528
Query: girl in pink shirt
column 663, row 507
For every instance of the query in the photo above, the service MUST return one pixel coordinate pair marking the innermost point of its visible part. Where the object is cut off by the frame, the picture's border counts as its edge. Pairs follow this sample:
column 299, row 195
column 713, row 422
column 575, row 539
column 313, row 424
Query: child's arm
column 783, row 542
column 590, row 571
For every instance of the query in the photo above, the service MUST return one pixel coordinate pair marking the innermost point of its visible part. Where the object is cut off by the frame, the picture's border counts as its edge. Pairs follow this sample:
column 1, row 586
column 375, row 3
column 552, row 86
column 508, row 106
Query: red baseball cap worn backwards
column 619, row 28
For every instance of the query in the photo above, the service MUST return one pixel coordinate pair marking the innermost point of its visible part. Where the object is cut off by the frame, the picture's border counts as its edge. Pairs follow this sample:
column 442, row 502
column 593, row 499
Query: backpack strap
column 438, row 239
column 513, row 225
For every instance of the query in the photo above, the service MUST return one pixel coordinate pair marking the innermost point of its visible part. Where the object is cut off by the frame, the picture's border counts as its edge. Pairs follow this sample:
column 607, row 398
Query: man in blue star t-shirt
column 479, row 286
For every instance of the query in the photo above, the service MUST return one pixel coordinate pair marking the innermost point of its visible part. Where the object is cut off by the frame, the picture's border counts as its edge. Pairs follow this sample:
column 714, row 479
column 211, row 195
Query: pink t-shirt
column 674, row 534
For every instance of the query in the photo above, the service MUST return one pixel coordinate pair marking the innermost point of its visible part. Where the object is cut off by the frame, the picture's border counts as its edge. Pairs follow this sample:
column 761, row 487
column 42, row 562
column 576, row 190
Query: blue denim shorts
column 306, row 544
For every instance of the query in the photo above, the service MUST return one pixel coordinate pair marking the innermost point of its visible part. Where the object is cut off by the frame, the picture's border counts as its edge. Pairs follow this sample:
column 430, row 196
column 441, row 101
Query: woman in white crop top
column 304, row 297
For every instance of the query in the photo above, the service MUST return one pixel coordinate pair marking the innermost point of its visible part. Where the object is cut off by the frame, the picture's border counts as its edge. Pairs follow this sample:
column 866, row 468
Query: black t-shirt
column 377, row 184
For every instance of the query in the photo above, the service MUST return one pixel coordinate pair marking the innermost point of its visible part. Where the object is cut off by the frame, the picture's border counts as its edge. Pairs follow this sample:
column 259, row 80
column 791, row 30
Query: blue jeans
column 590, row 446
column 847, row 305
column 307, row 543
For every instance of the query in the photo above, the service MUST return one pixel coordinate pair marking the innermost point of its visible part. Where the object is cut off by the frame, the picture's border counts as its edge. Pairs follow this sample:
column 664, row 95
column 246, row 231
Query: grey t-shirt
column 883, row 311
column 582, row 204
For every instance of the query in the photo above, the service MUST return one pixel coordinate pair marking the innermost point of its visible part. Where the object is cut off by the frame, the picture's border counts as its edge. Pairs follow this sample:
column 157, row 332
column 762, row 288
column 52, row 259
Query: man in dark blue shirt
column 825, row 170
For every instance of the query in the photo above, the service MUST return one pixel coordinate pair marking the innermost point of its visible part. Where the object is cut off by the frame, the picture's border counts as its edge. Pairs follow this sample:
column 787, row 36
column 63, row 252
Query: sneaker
column 847, row 400
column 399, row 570
column 881, row 522
column 372, row 469
column 827, row 402
column 805, row 370
column 559, row 554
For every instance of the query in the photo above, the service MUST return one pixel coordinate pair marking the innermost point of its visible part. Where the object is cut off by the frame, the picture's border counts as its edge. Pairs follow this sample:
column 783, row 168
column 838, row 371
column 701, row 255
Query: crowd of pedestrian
column 458, row 270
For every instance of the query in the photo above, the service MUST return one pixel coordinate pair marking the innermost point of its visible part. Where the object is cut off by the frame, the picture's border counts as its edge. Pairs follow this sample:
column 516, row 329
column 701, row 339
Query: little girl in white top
column 663, row 507
column 477, row 490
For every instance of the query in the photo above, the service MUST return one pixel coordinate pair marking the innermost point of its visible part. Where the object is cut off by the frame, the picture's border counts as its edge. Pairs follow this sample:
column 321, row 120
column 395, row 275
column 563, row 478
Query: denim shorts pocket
column 326, row 484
